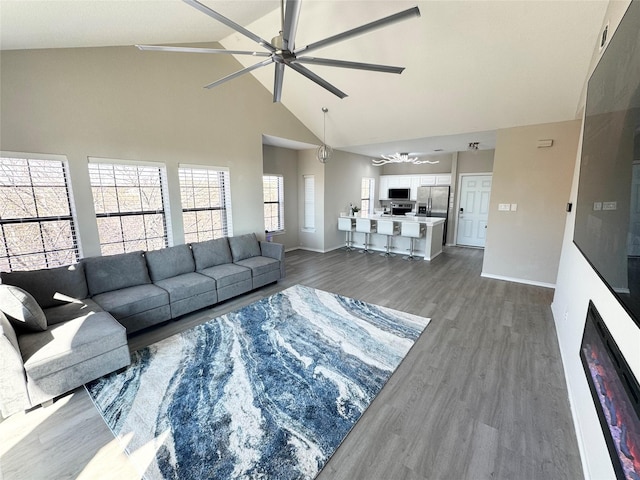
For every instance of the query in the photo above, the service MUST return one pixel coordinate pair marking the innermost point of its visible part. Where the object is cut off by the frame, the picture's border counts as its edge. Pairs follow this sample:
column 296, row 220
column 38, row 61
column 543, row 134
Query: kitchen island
column 429, row 246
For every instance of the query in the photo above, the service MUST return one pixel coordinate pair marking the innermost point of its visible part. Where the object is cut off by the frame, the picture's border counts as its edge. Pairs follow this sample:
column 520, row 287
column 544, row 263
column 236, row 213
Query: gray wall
column 284, row 161
column 525, row 245
column 121, row 103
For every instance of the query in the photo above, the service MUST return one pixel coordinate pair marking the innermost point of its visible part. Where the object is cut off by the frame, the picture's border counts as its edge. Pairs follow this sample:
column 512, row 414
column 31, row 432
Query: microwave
column 399, row 194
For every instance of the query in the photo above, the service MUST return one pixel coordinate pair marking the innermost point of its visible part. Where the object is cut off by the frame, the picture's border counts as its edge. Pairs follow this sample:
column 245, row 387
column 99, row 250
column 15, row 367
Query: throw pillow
column 22, row 309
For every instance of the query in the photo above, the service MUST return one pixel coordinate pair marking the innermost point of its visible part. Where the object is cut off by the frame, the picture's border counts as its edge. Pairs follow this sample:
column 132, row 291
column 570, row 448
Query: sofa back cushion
column 22, row 309
column 49, row 286
column 244, row 246
column 211, row 253
column 113, row 272
column 169, row 262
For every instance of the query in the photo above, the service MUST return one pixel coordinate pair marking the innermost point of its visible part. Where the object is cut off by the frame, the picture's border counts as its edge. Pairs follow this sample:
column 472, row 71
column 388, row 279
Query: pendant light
column 324, row 151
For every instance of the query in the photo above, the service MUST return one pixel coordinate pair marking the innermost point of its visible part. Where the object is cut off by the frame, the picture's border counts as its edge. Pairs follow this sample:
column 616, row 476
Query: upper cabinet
column 412, row 182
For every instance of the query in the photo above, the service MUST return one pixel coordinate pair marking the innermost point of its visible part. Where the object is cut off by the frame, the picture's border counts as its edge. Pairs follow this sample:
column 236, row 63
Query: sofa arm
column 13, row 382
column 274, row 250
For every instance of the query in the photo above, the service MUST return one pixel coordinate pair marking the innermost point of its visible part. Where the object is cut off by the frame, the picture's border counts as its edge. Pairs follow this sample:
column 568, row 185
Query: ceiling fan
column 282, row 51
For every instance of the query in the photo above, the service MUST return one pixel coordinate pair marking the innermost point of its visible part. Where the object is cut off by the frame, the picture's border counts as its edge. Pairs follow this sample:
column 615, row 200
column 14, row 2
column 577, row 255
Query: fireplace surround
column 616, row 395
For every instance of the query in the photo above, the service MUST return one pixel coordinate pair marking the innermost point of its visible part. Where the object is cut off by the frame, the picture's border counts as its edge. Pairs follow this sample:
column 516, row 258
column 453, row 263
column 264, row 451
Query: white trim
column 119, row 161
column 317, row 250
column 33, row 156
column 457, row 206
column 519, row 280
column 194, row 166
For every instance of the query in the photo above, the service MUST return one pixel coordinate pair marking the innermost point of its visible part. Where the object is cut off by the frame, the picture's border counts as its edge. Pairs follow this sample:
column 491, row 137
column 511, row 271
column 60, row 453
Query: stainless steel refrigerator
column 434, row 202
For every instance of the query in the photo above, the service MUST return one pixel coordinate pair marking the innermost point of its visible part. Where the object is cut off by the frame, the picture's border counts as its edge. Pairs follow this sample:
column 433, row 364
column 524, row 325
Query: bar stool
column 366, row 226
column 347, row 225
column 388, row 228
column 412, row 230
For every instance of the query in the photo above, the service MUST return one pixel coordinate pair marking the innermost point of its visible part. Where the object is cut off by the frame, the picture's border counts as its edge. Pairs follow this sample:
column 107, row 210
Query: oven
column 401, row 208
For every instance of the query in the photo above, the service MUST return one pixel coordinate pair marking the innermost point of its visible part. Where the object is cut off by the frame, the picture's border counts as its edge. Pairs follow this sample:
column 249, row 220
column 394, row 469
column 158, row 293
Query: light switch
column 597, row 206
column 503, row 207
column 609, row 205
column 514, row 207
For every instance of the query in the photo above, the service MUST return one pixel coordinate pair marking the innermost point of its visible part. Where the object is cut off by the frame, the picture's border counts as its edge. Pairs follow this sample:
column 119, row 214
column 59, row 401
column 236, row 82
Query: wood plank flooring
column 481, row 394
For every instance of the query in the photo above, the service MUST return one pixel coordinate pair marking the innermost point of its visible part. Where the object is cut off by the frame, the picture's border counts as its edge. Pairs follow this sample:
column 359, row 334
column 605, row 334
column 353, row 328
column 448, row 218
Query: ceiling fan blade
column 159, row 48
column 230, row 23
column 396, row 17
column 277, row 82
column 291, row 15
column 315, row 78
column 344, row 64
column 239, row 72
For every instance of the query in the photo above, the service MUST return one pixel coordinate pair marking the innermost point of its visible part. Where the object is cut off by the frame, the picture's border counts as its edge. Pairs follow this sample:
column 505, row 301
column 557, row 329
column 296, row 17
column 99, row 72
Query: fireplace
column 616, row 395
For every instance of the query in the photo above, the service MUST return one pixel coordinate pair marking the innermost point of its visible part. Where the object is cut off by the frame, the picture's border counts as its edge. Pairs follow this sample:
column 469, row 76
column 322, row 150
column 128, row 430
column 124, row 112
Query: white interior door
column 473, row 211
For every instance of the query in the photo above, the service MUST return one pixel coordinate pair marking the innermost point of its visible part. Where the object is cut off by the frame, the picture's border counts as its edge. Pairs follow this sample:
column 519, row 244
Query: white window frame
column 17, row 261
column 224, row 184
column 309, row 216
column 167, row 239
column 280, row 201
column 370, row 199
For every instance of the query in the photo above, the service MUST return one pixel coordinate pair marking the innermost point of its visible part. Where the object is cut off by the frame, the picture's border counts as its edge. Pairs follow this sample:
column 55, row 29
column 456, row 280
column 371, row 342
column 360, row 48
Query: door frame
column 456, row 209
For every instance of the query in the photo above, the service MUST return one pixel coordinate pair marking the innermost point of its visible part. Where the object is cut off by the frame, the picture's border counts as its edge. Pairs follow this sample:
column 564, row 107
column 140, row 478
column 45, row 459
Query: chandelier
column 400, row 158
column 324, row 151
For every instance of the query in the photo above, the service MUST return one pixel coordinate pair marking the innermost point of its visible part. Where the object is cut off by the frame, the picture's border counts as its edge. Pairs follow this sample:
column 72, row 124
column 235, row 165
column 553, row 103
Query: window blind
column 309, row 202
column 129, row 201
column 206, row 202
column 273, row 189
column 37, row 226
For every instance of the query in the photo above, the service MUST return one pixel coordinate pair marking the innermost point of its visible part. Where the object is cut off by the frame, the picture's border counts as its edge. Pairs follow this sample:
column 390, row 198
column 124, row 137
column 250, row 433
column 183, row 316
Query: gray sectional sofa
column 63, row 327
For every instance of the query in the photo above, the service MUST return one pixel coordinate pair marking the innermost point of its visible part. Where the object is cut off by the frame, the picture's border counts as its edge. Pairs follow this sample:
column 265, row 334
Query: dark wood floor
column 481, row 394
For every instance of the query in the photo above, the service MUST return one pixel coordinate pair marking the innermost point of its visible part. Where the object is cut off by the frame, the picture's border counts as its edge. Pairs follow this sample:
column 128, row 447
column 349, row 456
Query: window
column 206, row 202
column 309, row 203
column 273, row 188
column 37, row 228
column 366, row 196
column 129, row 204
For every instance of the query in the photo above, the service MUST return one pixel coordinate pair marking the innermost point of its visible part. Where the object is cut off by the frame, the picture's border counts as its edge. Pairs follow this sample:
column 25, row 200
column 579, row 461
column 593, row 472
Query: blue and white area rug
column 269, row 391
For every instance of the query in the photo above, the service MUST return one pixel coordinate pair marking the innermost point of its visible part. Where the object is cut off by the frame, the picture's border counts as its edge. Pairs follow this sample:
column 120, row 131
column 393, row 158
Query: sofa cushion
column 67, row 344
column 132, row 300
column 187, row 285
column 113, row 272
column 49, row 286
column 211, row 253
column 260, row 265
column 70, row 311
column 22, row 309
column 169, row 262
column 244, row 246
column 227, row 274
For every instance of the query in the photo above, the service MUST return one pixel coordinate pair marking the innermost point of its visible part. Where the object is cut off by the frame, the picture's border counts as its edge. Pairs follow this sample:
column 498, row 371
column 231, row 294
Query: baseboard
column 518, row 280
column 317, row 250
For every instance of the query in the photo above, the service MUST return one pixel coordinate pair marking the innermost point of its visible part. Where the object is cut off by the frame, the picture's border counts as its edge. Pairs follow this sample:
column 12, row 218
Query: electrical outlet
column 504, row 207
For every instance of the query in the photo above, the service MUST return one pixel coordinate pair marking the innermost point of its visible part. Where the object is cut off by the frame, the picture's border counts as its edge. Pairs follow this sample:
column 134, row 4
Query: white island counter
column 429, row 247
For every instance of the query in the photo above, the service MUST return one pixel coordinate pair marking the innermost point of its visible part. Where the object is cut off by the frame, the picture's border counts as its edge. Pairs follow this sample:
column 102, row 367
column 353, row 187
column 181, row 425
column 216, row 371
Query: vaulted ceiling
column 472, row 66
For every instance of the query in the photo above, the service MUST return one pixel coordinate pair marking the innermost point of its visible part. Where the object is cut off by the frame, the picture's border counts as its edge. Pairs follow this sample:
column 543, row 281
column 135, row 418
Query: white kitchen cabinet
column 384, row 187
column 427, row 180
column 399, row 181
column 415, row 183
column 443, row 179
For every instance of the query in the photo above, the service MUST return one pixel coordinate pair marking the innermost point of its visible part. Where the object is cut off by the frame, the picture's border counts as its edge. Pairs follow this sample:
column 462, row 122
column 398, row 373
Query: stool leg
column 410, row 256
column 348, row 241
column 388, row 253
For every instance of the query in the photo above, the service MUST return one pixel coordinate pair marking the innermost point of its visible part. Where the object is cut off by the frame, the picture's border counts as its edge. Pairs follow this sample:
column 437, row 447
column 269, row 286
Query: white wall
column 577, row 283
column 118, row 102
